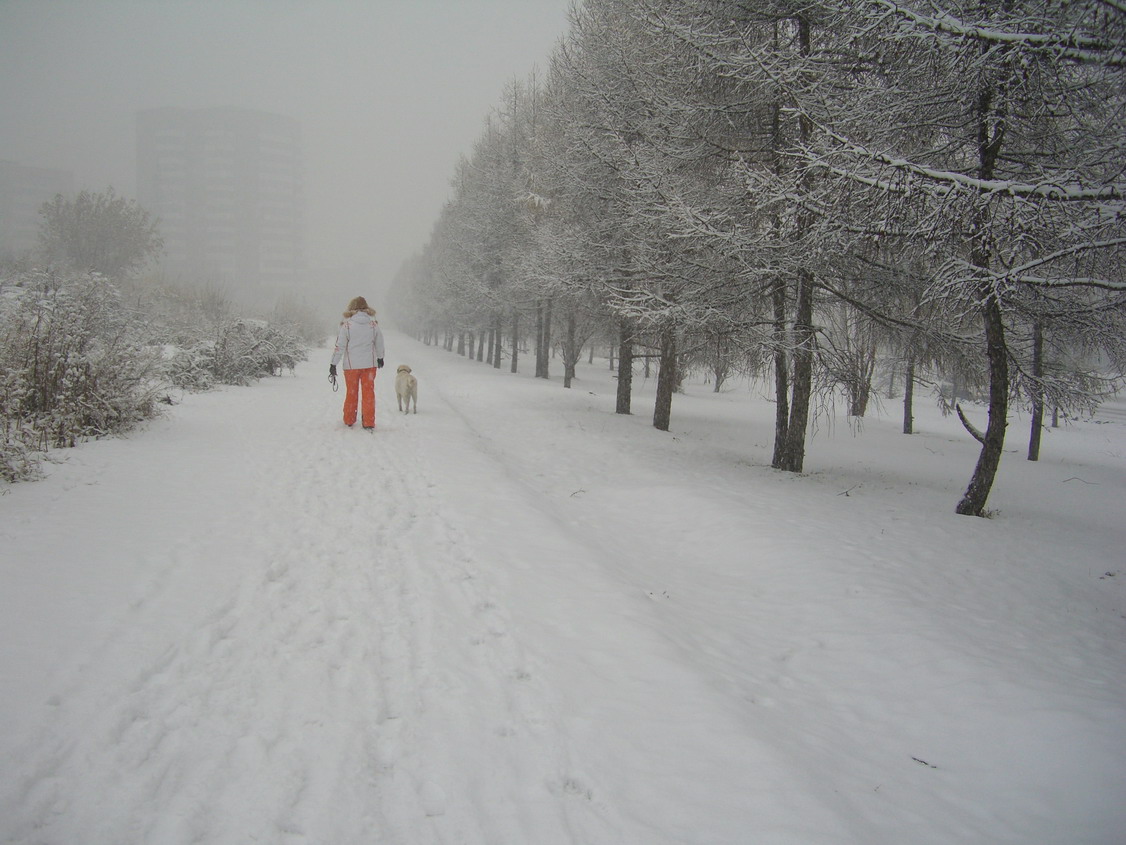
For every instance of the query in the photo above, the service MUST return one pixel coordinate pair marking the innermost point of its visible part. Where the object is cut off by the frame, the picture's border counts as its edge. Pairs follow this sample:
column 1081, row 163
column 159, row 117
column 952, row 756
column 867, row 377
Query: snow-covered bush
column 239, row 352
column 205, row 342
column 191, row 368
column 21, row 445
column 82, row 357
column 246, row 350
column 74, row 366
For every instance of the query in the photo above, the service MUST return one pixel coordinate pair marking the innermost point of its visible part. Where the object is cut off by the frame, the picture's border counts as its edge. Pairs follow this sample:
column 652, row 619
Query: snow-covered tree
column 98, row 232
column 989, row 139
column 934, row 185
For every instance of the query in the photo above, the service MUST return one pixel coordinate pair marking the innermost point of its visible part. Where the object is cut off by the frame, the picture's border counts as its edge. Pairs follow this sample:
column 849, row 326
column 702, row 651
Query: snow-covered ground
column 520, row 619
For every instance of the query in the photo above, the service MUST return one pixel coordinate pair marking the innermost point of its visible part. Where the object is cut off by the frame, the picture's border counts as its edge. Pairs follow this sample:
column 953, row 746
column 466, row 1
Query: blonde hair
column 357, row 305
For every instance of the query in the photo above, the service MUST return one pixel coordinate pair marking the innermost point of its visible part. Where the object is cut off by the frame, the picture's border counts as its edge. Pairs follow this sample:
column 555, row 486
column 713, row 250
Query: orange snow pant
column 360, row 382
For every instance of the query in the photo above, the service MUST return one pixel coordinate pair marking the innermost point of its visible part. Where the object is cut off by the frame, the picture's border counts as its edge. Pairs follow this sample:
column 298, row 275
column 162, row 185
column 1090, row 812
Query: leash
column 332, row 381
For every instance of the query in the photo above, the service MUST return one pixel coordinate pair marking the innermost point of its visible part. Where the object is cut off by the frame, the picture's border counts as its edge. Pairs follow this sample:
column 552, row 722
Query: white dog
column 406, row 387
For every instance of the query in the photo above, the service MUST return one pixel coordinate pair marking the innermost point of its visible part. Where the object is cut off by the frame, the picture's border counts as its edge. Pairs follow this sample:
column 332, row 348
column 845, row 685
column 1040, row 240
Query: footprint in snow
column 433, row 798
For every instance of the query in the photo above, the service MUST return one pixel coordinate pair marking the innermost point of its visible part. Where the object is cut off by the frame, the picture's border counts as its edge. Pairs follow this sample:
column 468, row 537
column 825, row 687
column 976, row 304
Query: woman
column 360, row 343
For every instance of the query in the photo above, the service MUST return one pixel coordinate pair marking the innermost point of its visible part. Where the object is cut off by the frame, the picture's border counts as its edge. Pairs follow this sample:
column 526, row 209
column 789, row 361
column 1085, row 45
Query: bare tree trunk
column 781, row 373
column 498, row 331
column 539, row 339
column 792, row 455
column 625, row 367
column 492, row 341
column 666, row 380
column 570, row 353
column 861, row 388
column 515, row 342
column 721, row 365
column 1037, row 392
column 993, row 441
column 461, row 344
column 909, row 397
column 543, row 339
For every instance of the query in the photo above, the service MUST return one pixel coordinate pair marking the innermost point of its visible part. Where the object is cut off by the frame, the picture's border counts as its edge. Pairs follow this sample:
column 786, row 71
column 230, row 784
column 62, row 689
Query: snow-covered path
column 517, row 618
column 316, row 651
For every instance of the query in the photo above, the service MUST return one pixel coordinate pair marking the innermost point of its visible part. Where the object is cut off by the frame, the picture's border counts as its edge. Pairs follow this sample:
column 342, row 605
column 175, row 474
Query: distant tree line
column 811, row 191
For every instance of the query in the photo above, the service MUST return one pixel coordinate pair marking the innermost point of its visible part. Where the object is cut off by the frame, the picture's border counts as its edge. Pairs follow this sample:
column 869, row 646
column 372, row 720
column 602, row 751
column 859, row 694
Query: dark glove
column 332, row 370
column 379, row 363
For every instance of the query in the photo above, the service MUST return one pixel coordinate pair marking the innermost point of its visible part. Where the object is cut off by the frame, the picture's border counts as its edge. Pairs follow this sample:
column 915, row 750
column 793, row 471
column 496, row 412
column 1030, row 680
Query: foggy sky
column 389, row 93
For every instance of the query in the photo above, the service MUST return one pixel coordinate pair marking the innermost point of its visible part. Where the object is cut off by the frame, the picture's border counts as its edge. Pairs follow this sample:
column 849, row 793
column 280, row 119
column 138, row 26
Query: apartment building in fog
column 226, row 185
column 23, row 190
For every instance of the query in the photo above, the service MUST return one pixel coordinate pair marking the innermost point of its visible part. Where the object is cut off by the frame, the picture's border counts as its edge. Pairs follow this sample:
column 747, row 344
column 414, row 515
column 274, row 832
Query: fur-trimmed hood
column 369, row 311
column 357, row 305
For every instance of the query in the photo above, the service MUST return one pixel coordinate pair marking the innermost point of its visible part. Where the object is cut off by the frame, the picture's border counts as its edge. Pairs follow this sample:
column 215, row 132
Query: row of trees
column 806, row 186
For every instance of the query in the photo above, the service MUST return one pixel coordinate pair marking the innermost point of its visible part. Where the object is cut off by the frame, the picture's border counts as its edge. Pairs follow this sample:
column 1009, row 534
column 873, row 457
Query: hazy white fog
column 389, row 93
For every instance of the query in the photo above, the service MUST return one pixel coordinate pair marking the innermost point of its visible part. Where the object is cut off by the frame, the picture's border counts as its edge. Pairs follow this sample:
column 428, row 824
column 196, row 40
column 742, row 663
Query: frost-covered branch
column 1078, row 48
column 951, row 180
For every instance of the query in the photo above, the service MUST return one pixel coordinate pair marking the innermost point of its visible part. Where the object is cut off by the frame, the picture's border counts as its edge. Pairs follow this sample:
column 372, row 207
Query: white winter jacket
column 359, row 342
